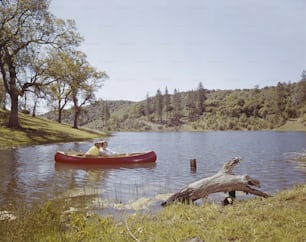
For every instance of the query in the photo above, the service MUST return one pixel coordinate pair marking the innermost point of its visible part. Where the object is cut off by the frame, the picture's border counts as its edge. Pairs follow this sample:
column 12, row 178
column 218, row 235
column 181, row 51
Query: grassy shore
column 277, row 218
column 40, row 131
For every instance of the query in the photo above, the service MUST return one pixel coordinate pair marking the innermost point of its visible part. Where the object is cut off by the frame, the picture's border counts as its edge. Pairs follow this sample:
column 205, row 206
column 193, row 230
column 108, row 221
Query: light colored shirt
column 93, row 151
column 107, row 152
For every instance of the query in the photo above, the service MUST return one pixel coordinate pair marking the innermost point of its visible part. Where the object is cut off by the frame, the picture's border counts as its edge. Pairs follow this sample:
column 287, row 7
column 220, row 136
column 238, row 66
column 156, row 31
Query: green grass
column 277, row 218
column 39, row 131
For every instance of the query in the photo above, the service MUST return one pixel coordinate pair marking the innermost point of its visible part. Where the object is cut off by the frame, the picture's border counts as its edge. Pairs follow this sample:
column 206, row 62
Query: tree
column 300, row 90
column 159, row 106
column 2, row 95
column 148, row 107
column 191, row 107
column 72, row 79
column 201, row 97
column 281, row 98
column 85, row 80
column 58, row 90
column 167, row 102
column 105, row 113
column 177, row 107
column 26, row 26
column 35, row 89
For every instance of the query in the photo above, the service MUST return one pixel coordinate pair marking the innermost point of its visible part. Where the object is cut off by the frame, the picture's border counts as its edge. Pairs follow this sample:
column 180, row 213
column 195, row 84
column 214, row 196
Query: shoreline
column 37, row 130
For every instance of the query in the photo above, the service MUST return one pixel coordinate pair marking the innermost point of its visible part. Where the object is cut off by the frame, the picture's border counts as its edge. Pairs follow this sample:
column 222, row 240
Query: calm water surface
column 30, row 174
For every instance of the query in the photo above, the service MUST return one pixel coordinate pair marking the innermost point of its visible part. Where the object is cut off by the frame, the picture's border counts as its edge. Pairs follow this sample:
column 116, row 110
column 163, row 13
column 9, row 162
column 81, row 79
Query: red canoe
column 80, row 158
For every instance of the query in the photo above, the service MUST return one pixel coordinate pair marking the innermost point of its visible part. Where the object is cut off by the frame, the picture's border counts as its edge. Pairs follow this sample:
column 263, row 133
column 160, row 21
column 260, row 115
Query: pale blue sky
column 145, row 45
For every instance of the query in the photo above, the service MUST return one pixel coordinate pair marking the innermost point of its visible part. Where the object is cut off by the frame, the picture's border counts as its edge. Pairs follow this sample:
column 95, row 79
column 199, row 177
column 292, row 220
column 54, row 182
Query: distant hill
column 247, row 109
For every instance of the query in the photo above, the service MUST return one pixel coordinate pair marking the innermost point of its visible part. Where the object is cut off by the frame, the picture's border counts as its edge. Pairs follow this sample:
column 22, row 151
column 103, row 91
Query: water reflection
column 8, row 178
column 30, row 175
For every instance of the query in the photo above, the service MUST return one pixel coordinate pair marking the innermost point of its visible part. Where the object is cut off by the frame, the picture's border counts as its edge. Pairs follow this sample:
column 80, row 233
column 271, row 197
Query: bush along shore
column 280, row 217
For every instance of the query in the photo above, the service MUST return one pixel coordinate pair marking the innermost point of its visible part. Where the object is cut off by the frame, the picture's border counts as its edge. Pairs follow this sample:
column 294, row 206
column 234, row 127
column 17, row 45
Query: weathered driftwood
column 223, row 181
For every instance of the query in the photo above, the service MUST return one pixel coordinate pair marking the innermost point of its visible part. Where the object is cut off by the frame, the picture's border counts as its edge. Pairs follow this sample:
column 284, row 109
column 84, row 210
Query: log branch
column 223, row 181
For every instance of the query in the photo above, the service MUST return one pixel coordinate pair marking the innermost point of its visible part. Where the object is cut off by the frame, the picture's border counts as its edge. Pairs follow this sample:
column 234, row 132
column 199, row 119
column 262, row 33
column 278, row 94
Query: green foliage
column 159, row 106
column 73, row 79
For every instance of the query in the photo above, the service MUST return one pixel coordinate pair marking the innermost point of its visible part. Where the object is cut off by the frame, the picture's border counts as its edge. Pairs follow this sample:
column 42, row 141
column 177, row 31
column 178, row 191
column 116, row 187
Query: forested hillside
column 200, row 109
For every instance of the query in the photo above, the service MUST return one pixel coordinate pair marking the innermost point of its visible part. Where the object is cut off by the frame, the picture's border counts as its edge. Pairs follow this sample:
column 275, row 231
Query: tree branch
column 222, row 181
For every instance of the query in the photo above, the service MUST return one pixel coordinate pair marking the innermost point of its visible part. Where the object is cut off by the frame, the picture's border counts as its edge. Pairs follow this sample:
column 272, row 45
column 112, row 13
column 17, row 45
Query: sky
column 146, row 45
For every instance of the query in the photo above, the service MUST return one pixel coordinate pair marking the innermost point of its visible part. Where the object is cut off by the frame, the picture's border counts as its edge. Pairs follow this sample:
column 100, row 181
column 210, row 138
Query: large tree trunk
column 13, row 119
column 59, row 115
column 9, row 76
column 76, row 117
column 222, row 181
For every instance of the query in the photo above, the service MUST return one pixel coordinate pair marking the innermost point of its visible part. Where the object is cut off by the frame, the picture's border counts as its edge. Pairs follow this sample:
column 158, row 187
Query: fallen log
column 223, row 181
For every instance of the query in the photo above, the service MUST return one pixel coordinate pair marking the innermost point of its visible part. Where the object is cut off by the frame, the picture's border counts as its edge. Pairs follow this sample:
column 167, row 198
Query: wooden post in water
column 193, row 165
column 232, row 194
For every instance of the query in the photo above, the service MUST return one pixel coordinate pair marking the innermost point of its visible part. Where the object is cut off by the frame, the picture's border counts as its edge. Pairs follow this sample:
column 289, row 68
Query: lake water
column 30, row 175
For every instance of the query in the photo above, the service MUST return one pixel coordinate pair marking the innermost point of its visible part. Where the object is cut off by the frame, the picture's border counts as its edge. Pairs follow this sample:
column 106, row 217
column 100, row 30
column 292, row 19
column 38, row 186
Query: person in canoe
column 95, row 149
column 105, row 151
